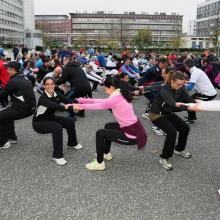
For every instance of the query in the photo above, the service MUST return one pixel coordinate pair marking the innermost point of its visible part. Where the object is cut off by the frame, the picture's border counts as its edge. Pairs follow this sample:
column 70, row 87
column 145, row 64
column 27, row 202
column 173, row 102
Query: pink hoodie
column 121, row 109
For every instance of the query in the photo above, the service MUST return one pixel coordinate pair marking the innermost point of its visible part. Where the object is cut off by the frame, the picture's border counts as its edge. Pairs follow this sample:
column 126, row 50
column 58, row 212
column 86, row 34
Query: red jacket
column 4, row 76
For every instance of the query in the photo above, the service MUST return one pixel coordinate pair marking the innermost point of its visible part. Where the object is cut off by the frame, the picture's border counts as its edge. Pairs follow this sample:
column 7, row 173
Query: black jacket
column 75, row 75
column 47, row 106
column 152, row 74
column 21, row 91
column 165, row 102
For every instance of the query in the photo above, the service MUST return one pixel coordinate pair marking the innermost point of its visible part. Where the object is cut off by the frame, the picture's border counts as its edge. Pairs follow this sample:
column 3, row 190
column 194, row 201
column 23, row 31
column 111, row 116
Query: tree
column 214, row 38
column 143, row 38
column 215, row 41
column 177, row 42
column 80, row 42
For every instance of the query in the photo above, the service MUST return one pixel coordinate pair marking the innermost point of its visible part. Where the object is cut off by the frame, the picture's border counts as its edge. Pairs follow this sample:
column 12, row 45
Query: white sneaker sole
column 179, row 154
column 166, row 168
column 78, row 147
column 6, row 146
column 53, row 159
column 95, row 169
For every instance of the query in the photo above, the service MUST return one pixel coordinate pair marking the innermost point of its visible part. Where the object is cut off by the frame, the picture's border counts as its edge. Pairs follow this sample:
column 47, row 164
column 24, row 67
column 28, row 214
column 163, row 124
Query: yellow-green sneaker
column 95, row 166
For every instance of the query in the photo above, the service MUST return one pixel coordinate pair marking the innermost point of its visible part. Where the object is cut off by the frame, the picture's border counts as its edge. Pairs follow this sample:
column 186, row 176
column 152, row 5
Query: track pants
column 111, row 133
column 55, row 126
column 192, row 115
column 172, row 124
column 7, row 127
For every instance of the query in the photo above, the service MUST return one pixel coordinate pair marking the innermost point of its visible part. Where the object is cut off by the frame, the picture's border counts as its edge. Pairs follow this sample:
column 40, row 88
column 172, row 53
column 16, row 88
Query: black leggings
column 111, row 133
column 7, row 127
column 200, row 96
column 3, row 99
column 172, row 124
column 55, row 126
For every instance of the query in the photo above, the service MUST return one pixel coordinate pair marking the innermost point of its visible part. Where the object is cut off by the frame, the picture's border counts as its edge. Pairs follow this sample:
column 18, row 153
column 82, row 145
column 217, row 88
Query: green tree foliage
column 143, row 38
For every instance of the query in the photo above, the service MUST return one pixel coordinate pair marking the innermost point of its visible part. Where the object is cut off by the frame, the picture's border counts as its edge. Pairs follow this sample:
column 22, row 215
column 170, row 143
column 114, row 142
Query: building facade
column 208, row 18
column 17, row 24
column 11, row 22
column 122, row 28
column 196, row 42
column 191, row 30
column 33, row 37
column 54, row 27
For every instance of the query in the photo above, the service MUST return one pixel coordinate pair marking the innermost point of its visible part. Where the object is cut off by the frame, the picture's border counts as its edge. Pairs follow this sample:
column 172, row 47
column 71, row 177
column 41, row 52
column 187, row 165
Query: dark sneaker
column 190, row 121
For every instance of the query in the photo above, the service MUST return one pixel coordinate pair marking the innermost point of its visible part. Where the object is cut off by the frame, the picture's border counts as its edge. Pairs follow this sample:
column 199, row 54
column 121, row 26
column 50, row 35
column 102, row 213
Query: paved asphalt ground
column 133, row 187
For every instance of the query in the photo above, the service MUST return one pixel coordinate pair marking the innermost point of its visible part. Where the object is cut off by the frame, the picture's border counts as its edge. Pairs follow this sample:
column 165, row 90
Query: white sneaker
column 184, row 153
column 60, row 161
column 95, row 166
column 108, row 156
column 77, row 147
column 13, row 141
column 146, row 116
column 6, row 146
column 159, row 132
column 166, row 164
column 219, row 191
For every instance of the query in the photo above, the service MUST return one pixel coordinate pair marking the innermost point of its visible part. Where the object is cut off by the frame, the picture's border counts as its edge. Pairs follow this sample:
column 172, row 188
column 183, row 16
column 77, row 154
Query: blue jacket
column 102, row 60
column 130, row 70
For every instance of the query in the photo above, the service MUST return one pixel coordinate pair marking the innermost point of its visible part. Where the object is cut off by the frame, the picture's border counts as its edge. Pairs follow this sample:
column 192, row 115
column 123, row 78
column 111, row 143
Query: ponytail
column 117, row 83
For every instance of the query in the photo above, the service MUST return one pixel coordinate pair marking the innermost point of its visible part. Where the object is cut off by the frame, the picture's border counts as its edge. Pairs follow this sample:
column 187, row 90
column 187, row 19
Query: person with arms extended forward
column 23, row 104
column 162, row 114
column 45, row 122
column 128, row 130
column 204, row 90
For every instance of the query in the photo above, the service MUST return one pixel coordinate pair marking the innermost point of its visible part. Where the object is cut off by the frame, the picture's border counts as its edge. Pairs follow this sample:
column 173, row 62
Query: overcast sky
column 183, row 7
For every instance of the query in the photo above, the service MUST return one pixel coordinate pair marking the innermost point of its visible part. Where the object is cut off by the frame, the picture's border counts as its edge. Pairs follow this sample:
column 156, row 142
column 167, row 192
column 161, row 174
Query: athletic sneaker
column 108, row 156
column 6, row 146
column 60, row 161
column 146, row 116
column 95, row 166
column 158, row 131
column 77, row 147
column 13, row 141
column 80, row 114
column 190, row 121
column 219, row 191
column 166, row 164
column 185, row 154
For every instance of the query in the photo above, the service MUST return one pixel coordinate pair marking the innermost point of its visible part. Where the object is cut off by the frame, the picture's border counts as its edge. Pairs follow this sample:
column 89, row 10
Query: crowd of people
column 66, row 80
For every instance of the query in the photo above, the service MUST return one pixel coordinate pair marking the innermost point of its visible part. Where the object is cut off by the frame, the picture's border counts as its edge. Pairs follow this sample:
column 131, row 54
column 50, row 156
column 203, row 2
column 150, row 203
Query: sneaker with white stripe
column 6, row 146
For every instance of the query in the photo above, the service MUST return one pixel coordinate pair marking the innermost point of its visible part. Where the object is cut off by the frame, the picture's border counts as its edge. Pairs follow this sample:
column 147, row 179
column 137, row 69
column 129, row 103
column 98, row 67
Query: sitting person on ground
column 199, row 82
column 93, row 77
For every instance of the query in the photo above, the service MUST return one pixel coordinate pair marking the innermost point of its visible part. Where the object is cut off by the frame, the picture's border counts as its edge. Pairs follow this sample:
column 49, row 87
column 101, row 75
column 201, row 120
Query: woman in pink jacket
column 128, row 130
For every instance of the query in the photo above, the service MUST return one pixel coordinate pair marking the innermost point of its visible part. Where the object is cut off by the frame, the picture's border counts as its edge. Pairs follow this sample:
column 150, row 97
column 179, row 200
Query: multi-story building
column 122, row 28
column 11, row 22
column 57, row 25
column 208, row 18
column 32, row 37
column 17, row 23
column 196, row 42
column 191, row 30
